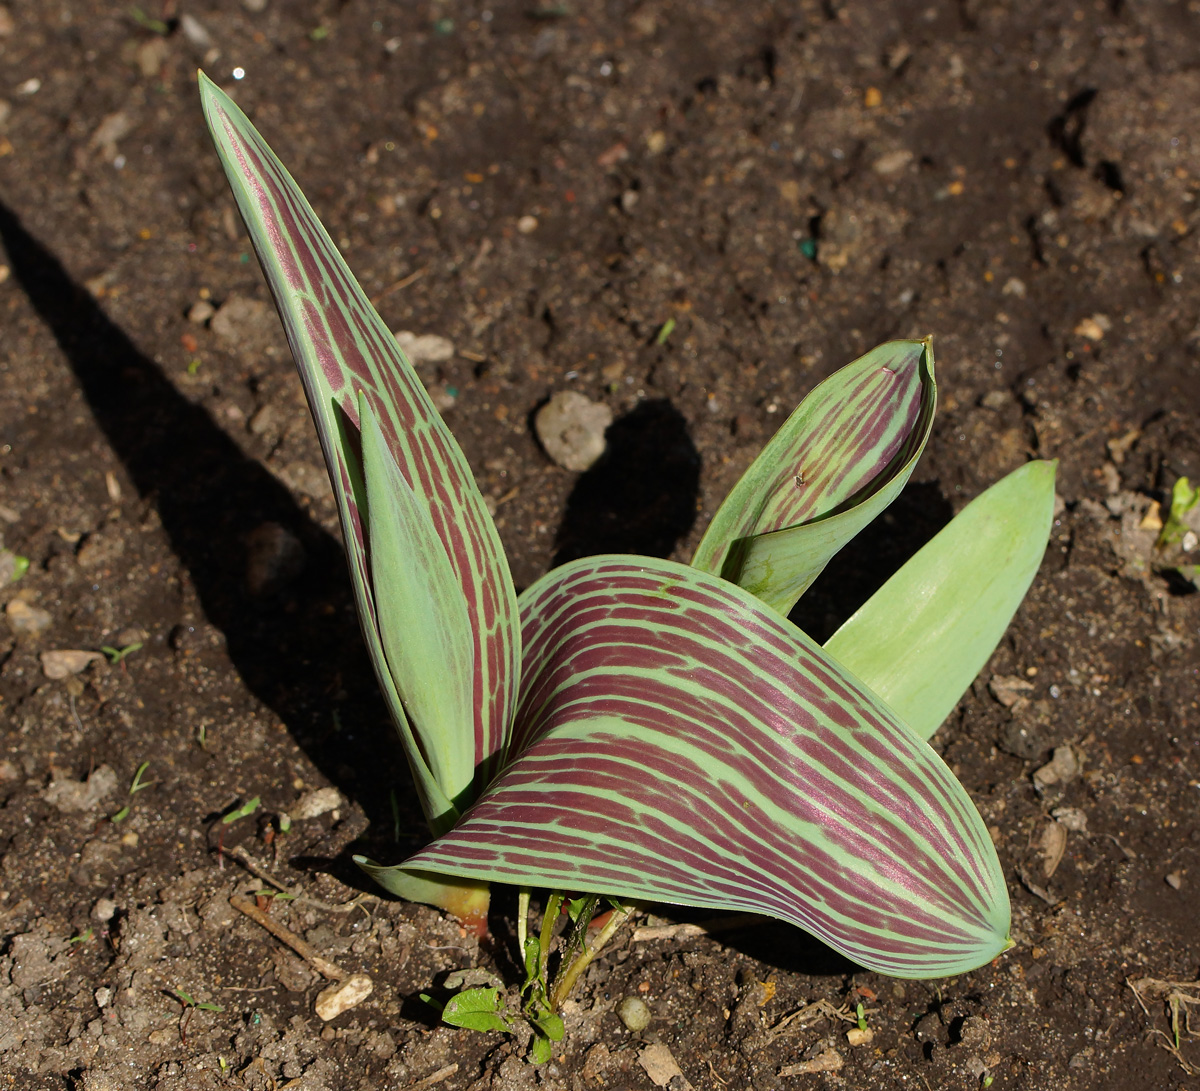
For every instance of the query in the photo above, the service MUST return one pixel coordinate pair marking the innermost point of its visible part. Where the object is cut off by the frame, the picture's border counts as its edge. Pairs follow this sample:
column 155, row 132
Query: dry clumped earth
column 535, row 191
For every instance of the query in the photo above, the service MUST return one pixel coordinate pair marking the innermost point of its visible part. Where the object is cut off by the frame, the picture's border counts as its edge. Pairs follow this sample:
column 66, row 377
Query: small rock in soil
column 62, row 664
column 662, row 1068
column 1062, row 767
column 425, row 348
column 571, row 428
column 77, row 796
column 313, row 804
column 344, row 995
column 634, row 1012
column 26, row 620
column 202, row 310
column 1008, row 689
column 274, row 558
column 246, row 326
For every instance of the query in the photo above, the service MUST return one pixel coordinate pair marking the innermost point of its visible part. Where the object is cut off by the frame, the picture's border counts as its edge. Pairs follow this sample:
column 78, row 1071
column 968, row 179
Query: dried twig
column 255, row 868
column 435, row 1077
column 281, row 932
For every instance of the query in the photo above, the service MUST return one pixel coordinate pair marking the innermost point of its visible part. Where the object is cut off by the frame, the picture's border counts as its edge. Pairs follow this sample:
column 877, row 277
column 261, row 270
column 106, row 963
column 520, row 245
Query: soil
column 547, row 185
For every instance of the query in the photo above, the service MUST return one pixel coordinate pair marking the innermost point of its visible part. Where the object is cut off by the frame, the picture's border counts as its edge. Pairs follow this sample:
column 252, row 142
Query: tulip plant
column 630, row 728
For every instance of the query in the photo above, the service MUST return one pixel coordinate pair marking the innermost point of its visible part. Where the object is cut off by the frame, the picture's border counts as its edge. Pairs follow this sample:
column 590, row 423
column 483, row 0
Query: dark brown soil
column 791, row 183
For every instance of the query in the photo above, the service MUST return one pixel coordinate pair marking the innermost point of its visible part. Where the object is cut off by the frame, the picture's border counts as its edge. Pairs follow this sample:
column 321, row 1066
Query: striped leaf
column 922, row 638
column 344, row 350
column 678, row 741
column 837, row 462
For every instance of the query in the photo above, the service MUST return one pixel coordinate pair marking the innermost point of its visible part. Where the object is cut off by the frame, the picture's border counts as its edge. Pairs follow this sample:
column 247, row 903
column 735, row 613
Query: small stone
column 194, row 32
column 634, row 1012
column 527, row 225
column 104, row 910
column 1072, row 817
column 1008, row 689
column 571, row 428
column 62, row 664
column 151, row 55
column 1014, row 286
column 26, row 620
column 342, row 996
column 1062, row 767
column 201, row 311
column 77, row 796
column 274, row 558
column 245, row 326
column 1174, row 879
column 975, row 1034
column 995, row 400
column 1094, row 328
column 316, row 803
column 425, row 348
column 892, row 162
column 103, row 996
column 860, row 1036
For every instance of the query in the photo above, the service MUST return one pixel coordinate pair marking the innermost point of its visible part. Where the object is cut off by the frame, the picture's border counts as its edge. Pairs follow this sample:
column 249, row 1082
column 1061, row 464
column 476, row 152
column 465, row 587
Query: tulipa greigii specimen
column 634, row 728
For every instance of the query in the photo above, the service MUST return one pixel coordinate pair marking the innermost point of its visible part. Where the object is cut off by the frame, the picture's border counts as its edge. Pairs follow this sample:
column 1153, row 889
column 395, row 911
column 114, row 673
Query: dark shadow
column 297, row 647
column 863, row 566
column 641, row 496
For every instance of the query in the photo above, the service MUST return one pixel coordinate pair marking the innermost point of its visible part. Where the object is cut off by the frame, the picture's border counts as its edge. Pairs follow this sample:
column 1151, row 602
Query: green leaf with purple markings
column 678, row 741
column 344, row 351
column 923, row 637
column 834, row 465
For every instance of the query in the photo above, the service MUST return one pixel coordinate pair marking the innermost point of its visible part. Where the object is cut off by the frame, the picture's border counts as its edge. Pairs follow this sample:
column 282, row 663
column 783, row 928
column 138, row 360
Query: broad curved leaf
column 925, row 635
column 834, row 465
column 679, row 741
column 342, row 347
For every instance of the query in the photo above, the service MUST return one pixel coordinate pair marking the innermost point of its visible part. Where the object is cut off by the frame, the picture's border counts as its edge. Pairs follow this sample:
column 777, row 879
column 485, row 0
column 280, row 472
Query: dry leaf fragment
column 828, row 1061
column 1062, row 767
column 662, row 1068
column 1053, row 847
column 342, row 996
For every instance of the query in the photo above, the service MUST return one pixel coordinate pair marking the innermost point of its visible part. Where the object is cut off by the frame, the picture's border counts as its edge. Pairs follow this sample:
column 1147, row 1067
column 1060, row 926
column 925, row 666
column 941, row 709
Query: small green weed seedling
column 135, row 786
column 117, row 655
column 190, row 1004
column 630, row 728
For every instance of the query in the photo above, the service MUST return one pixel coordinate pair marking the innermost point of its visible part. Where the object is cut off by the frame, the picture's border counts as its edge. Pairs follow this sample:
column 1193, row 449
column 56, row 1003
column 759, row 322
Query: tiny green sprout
column 190, row 1001
column 121, row 815
column 20, row 565
column 244, row 811
column 83, row 937
column 862, row 1018
column 137, row 784
column 1183, row 499
column 202, row 736
column 156, row 26
column 285, row 823
column 224, row 1064
column 665, row 331
column 193, row 366
column 318, row 34
column 116, row 655
column 988, row 1080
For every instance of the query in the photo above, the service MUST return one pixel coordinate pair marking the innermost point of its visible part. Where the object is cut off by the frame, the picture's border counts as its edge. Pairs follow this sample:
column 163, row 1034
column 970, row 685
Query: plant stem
column 546, row 937
column 568, row 975
column 522, row 921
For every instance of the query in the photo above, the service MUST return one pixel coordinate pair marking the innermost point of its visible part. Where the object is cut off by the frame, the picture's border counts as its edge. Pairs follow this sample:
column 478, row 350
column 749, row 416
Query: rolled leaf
column 423, row 618
column 678, row 741
column 343, row 348
column 834, row 465
column 925, row 635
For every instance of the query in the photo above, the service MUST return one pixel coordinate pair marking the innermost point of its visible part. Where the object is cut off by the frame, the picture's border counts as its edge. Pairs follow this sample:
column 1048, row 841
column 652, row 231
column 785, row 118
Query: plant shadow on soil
column 298, row 652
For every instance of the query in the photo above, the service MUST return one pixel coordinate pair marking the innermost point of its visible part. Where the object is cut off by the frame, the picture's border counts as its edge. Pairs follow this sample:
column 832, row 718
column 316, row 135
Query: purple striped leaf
column 344, row 351
column 834, row 465
column 678, row 741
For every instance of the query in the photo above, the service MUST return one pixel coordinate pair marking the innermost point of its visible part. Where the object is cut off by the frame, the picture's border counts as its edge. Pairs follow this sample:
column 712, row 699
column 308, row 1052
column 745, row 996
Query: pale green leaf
column 925, row 635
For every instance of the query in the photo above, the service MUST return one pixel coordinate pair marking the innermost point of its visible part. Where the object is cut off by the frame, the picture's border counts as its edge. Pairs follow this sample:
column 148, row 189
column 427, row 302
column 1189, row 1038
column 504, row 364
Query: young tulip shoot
column 637, row 728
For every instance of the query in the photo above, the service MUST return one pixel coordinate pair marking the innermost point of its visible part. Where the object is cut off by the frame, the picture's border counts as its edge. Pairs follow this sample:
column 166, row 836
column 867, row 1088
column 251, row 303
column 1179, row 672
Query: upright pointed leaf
column 343, row 347
column 423, row 620
column 925, row 635
column 679, row 741
column 837, row 462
